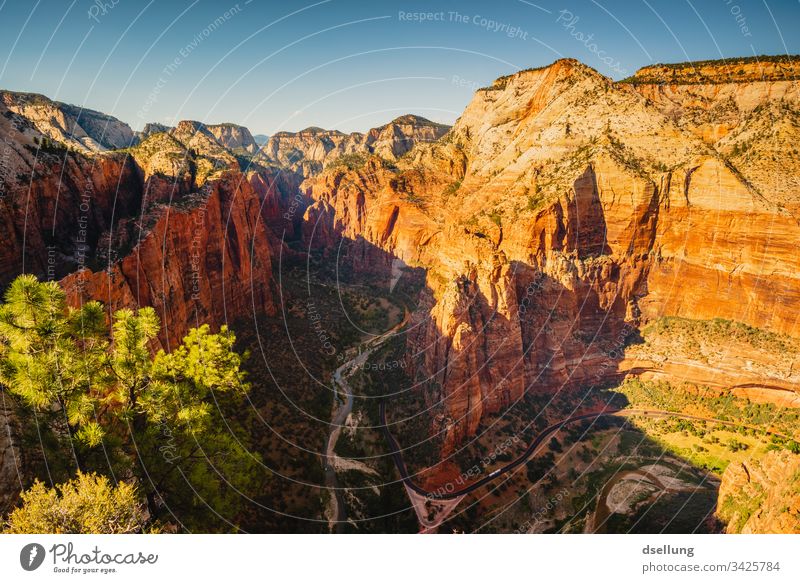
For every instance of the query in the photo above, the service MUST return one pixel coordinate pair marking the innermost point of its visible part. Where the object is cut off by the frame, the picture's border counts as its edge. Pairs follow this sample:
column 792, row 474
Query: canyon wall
column 171, row 223
column 54, row 204
column 561, row 213
column 762, row 496
column 206, row 261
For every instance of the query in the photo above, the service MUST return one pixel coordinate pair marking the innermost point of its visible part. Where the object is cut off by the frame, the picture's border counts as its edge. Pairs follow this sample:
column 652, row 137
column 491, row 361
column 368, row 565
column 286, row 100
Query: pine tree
column 128, row 410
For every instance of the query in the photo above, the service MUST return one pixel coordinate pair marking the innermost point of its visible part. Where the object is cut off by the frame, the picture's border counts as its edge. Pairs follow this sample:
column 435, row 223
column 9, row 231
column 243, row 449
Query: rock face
column 762, row 496
column 721, row 356
column 11, row 464
column 733, row 70
column 201, row 250
column 310, row 150
column 234, row 137
column 195, row 265
column 82, row 129
column 401, row 134
column 55, row 203
column 747, row 111
column 171, row 222
column 561, row 213
column 153, row 128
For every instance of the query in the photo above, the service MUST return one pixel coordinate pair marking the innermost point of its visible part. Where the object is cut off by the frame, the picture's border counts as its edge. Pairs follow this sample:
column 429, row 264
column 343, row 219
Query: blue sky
column 345, row 64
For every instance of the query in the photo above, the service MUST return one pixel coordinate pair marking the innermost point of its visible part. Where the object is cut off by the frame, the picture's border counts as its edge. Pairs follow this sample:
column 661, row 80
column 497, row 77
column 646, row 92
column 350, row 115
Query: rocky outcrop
column 561, row 213
column 732, row 70
column 205, row 259
column 172, row 223
column 762, row 496
column 54, row 203
column 401, row 134
column 153, row 128
column 84, row 130
column 235, row 138
column 747, row 110
column 719, row 357
column 307, row 150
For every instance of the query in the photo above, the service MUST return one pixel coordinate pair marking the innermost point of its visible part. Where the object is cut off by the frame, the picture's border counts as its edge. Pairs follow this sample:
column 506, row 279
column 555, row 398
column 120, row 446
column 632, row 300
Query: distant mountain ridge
column 310, row 150
column 306, row 151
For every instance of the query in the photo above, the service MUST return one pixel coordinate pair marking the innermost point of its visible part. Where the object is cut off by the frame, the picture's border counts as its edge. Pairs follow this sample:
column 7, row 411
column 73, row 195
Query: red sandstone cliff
column 171, row 223
column 204, row 261
column 560, row 213
column 55, row 203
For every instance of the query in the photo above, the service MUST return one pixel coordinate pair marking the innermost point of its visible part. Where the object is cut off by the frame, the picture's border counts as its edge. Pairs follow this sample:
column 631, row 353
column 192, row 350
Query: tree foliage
column 87, row 504
column 115, row 404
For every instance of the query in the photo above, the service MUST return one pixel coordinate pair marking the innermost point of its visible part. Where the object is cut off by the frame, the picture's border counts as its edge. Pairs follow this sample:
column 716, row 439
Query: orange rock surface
column 561, row 213
column 196, row 265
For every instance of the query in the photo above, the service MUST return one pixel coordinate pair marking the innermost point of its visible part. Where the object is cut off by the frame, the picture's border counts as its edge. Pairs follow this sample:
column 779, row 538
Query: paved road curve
column 397, row 456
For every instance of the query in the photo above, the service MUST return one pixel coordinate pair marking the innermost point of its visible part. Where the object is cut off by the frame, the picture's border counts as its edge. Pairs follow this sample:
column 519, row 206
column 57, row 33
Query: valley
column 575, row 310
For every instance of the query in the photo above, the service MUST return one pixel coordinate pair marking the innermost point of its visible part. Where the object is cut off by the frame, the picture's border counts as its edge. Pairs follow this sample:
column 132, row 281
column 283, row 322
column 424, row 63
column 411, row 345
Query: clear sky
column 344, row 64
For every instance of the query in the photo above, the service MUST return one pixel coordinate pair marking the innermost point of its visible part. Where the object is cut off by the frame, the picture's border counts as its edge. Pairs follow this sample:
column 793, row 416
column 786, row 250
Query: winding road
column 339, row 377
column 397, row 456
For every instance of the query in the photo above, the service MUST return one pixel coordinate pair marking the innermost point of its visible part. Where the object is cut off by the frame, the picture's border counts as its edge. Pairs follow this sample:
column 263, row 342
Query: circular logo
column 31, row 556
